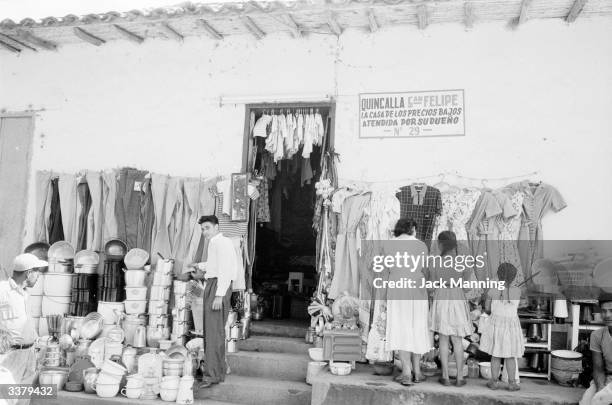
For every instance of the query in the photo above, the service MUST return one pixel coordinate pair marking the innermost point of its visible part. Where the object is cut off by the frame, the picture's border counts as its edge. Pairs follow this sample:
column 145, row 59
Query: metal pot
column 232, row 317
column 135, row 278
column 235, row 331
column 232, row 347
column 159, row 293
column 535, row 331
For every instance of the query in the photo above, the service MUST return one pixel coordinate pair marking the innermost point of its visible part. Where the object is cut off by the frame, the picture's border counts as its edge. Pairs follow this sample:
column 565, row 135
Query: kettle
column 140, row 337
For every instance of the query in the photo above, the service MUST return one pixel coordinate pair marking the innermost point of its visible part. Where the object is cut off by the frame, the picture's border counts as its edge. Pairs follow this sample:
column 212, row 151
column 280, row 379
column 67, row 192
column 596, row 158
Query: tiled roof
column 293, row 17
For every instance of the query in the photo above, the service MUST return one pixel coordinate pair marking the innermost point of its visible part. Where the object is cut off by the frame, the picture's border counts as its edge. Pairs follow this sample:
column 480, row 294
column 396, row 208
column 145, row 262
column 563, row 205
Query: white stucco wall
column 537, row 99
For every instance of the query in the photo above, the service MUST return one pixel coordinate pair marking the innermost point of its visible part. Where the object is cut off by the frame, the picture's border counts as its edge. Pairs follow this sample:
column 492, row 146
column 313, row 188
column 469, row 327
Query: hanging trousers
column 68, row 202
column 85, row 206
column 109, row 195
column 214, row 332
column 43, row 206
column 127, row 206
column 147, row 217
column 96, row 215
column 56, row 228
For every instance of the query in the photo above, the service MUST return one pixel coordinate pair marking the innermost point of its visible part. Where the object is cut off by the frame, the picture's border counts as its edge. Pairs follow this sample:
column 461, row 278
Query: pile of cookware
column 182, row 320
column 84, row 283
column 111, row 286
column 161, row 280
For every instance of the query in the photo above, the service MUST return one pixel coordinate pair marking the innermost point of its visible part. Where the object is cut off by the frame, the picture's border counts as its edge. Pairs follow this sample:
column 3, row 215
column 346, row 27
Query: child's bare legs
column 443, row 351
column 416, row 367
column 495, row 367
column 459, row 359
column 510, row 364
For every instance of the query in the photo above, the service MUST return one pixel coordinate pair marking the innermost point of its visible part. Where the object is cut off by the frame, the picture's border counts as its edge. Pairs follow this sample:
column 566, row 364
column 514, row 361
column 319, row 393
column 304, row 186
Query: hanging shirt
column 309, row 135
column 319, row 129
column 221, row 263
column 261, row 126
column 423, row 204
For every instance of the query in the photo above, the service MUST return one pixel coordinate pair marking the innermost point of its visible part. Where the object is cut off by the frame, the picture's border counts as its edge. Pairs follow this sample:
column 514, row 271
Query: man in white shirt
column 218, row 271
column 16, row 319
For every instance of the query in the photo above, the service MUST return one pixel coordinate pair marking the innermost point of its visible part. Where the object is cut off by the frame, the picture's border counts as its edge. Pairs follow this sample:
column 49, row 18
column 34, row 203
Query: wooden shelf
column 532, row 374
column 541, row 345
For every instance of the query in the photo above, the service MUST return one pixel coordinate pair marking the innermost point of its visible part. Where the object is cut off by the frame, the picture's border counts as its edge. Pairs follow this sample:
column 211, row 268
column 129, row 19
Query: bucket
column 566, row 360
column 55, row 305
column 58, row 284
column 314, row 368
column 35, row 305
column 109, row 310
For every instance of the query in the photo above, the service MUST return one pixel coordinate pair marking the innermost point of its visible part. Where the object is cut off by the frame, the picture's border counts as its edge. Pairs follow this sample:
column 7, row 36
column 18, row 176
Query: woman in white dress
column 408, row 308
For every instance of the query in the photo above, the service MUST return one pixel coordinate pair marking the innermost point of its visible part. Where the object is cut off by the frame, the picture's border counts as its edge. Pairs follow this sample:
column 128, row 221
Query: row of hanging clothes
column 154, row 212
column 503, row 224
column 289, row 131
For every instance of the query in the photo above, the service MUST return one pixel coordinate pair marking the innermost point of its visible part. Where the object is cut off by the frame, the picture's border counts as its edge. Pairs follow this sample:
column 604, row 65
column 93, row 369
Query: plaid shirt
column 424, row 205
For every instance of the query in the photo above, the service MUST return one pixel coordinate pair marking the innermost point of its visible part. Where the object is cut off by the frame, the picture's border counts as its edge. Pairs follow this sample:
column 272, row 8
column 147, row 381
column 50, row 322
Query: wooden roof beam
column 372, row 20
column 422, row 16
column 173, row 32
column 88, row 36
column 16, row 43
column 10, row 47
column 252, row 27
column 468, row 11
column 210, row 30
column 129, row 34
column 37, row 41
column 333, row 24
column 524, row 15
column 296, row 30
column 575, row 10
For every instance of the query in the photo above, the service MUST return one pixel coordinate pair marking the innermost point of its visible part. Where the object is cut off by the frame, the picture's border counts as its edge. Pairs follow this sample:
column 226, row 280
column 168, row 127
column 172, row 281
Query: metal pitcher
column 140, row 337
column 245, row 328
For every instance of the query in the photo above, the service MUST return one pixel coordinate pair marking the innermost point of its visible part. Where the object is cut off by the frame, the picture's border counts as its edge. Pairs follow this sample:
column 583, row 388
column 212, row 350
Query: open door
column 16, row 132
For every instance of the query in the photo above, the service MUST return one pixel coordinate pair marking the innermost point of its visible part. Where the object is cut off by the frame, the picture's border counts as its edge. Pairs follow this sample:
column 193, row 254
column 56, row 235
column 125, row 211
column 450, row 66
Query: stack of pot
column 182, row 321
column 58, row 281
column 161, row 280
column 135, row 287
column 84, row 283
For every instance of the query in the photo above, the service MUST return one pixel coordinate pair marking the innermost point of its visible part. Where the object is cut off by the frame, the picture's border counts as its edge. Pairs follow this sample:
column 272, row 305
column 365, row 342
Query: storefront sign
column 412, row 114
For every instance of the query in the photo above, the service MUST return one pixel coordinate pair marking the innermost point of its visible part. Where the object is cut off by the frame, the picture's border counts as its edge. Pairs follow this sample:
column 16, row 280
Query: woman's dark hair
column 209, row 218
column 448, row 242
column 506, row 272
column 406, row 226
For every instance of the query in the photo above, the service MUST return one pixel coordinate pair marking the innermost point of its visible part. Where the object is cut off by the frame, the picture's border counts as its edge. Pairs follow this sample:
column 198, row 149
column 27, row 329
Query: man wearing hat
column 16, row 323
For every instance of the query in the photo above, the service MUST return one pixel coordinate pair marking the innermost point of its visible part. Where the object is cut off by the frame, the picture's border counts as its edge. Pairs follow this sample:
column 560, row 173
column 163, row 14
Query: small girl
column 503, row 338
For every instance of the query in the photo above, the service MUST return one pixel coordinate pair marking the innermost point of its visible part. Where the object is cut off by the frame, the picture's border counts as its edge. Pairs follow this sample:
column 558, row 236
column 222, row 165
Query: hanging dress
column 423, row 204
column 539, row 199
column 346, row 273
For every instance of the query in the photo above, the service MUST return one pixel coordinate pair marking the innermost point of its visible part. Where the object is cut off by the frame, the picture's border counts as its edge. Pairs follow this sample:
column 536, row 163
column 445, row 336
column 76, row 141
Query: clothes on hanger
column 422, row 203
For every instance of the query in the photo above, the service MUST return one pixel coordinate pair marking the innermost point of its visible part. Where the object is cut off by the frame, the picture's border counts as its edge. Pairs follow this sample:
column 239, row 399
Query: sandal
column 444, row 381
column 406, row 381
column 513, row 387
column 494, row 385
column 461, row 382
column 420, row 379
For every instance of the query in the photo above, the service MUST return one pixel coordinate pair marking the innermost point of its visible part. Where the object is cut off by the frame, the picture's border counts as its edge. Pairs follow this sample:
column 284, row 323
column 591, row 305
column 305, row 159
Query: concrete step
column 257, row 391
column 363, row 387
column 274, row 344
column 81, row 398
column 288, row 328
column 277, row 366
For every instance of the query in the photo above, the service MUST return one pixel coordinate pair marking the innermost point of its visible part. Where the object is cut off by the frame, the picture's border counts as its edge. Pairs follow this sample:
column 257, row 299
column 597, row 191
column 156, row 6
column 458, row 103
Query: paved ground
column 362, row 387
